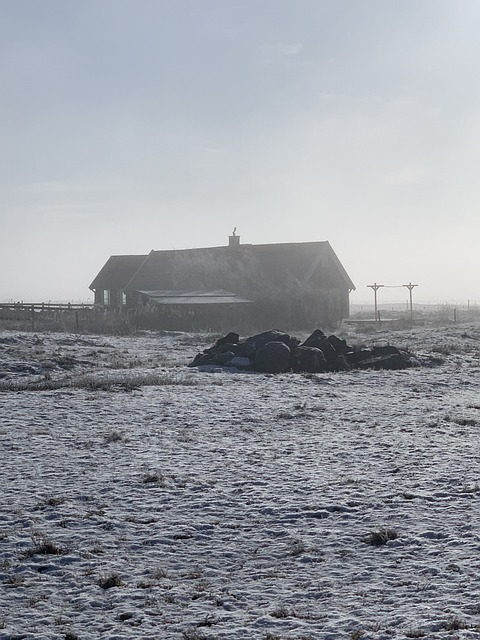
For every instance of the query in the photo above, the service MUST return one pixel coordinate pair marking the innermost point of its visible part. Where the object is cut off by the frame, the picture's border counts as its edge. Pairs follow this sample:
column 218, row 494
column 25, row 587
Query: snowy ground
column 205, row 506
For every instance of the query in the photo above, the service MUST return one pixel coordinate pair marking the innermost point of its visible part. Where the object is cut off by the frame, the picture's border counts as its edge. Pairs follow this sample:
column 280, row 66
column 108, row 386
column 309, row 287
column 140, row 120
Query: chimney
column 234, row 240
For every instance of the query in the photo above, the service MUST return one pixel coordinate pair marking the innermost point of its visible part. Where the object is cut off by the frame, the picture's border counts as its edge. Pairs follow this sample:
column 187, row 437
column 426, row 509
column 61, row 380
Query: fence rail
column 44, row 306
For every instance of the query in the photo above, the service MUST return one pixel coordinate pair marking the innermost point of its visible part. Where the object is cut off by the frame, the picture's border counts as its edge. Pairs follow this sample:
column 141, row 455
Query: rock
column 354, row 357
column 308, row 360
column 328, row 351
column 245, row 350
column 385, row 358
column 341, row 364
column 201, row 359
column 339, row 345
column 273, row 357
column 387, row 350
column 230, row 338
column 314, row 339
column 276, row 352
column 223, row 358
column 222, row 348
column 261, row 339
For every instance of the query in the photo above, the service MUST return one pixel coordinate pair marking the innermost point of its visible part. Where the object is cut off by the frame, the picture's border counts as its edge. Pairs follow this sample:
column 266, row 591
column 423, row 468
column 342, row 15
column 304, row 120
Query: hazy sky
column 131, row 125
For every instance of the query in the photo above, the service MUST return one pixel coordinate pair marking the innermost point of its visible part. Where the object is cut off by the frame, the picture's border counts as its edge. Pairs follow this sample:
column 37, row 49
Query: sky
column 131, row 125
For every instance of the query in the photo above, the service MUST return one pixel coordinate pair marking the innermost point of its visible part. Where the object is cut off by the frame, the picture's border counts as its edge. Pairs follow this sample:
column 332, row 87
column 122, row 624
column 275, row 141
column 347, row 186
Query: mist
column 130, row 126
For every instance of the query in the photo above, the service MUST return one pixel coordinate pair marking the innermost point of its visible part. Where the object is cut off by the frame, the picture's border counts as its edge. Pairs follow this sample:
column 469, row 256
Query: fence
column 70, row 317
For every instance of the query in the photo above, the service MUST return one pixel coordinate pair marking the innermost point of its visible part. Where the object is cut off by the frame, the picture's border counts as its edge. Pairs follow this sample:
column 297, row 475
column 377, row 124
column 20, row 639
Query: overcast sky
column 131, row 125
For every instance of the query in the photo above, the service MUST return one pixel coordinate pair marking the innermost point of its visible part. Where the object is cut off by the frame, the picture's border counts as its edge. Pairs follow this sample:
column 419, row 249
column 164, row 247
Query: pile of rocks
column 277, row 352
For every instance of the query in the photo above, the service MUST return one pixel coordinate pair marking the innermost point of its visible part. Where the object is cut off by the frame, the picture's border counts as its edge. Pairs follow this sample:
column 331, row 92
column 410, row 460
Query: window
column 106, row 297
column 124, row 298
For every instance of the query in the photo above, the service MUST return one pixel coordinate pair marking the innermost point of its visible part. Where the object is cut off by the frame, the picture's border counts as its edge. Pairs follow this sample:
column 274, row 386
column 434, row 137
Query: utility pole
column 410, row 287
column 375, row 288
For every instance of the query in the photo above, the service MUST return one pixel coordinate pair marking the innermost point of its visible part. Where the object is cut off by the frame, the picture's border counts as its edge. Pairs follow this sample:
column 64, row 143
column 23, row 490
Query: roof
column 117, row 271
column 218, row 296
column 188, row 269
column 300, row 259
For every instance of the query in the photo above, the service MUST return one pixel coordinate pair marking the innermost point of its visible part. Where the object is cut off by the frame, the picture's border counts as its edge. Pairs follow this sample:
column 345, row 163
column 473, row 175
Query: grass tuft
column 113, row 436
column 42, row 545
column 112, row 580
column 281, row 612
column 455, row 624
column 155, row 477
column 380, row 536
column 193, row 634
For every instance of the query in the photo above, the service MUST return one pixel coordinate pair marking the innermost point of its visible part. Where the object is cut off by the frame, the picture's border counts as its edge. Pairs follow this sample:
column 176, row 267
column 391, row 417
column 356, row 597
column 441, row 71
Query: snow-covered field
column 142, row 499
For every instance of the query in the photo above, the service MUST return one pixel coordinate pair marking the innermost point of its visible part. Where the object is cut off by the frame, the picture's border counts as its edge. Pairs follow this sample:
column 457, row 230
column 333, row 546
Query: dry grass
column 380, row 537
column 42, row 545
column 112, row 580
column 156, row 478
column 106, row 382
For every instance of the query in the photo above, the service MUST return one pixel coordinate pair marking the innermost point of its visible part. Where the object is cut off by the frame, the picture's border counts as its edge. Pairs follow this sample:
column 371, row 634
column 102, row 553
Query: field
column 141, row 499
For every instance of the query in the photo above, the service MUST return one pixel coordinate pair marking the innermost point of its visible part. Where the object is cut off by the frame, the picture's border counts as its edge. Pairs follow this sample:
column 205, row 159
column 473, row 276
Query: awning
column 218, row 296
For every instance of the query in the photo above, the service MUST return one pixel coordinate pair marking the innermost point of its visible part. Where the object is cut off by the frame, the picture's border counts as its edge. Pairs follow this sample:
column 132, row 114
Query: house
column 289, row 285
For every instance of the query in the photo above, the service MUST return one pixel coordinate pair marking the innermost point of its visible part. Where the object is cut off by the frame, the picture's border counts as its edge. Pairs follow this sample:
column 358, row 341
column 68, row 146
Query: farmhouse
column 289, row 285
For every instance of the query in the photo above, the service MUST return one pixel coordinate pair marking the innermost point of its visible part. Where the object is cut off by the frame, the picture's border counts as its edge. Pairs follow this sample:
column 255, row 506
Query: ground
column 143, row 499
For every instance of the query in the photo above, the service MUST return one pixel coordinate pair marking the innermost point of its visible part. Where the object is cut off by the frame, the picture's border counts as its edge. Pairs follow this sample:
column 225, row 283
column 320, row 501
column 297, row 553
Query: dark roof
column 219, row 296
column 155, row 272
column 301, row 260
column 117, row 271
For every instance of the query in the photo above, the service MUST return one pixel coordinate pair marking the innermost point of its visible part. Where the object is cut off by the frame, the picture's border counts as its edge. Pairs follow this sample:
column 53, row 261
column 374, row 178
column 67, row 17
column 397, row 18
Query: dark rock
column 276, row 352
column 355, row 357
column 387, row 350
column 386, row 357
column 328, row 351
column 342, row 364
column 293, row 343
column 314, row 339
column 222, row 348
column 308, row 359
column 339, row 345
column 223, row 358
column 273, row 357
column 201, row 359
column 261, row 339
column 245, row 350
column 392, row 361
column 230, row 338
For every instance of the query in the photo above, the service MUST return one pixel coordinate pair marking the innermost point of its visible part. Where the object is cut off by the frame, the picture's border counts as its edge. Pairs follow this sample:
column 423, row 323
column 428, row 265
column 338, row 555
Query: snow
column 226, row 505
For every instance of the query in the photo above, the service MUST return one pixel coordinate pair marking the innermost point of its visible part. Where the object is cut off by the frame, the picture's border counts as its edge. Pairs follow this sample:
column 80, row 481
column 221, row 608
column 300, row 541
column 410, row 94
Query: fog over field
column 130, row 126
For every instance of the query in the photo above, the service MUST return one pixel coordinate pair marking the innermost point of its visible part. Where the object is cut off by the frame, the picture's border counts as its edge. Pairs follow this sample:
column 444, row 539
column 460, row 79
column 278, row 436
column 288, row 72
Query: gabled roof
column 117, row 271
column 155, row 271
column 299, row 259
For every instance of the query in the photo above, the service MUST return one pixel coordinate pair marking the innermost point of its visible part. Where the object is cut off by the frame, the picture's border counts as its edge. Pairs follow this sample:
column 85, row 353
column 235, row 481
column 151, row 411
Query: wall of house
column 338, row 303
column 98, row 296
column 206, row 317
column 113, row 298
